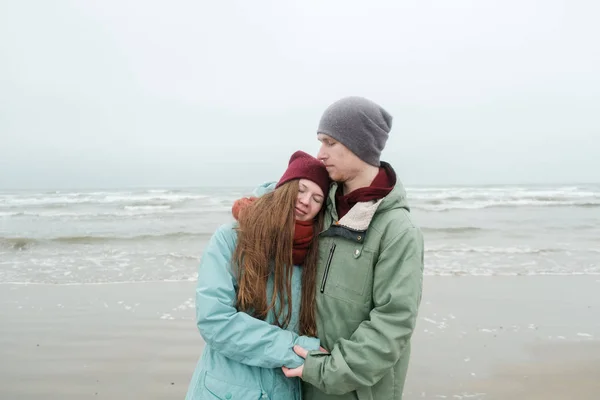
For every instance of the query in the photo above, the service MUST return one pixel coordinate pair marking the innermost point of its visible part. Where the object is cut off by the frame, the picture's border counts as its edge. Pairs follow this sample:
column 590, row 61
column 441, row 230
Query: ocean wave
column 490, row 272
column 509, row 199
column 449, row 206
column 503, row 250
column 65, row 281
column 496, row 190
column 168, row 200
column 589, row 205
column 4, row 214
column 98, row 283
column 125, row 211
column 443, row 199
column 156, row 207
column 25, row 242
column 101, row 198
column 454, row 229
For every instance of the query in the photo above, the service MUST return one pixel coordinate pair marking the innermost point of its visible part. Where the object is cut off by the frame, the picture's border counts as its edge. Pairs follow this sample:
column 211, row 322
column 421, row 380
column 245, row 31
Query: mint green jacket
column 243, row 356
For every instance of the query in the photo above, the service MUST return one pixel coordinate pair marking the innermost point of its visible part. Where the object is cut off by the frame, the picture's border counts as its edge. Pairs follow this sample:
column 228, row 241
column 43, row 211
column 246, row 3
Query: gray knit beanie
column 359, row 124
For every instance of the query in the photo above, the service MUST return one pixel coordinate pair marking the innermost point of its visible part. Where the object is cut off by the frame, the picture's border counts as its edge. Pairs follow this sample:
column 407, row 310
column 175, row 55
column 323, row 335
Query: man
column 370, row 270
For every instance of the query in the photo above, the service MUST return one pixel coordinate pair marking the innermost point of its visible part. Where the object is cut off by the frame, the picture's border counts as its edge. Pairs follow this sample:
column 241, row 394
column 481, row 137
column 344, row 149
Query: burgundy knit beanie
column 305, row 166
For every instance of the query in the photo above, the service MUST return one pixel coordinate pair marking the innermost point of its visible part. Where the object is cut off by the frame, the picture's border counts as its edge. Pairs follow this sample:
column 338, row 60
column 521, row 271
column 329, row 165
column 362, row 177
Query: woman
column 256, row 290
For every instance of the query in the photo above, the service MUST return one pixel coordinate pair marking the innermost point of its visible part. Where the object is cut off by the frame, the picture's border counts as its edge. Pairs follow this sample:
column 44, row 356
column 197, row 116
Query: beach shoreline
column 519, row 337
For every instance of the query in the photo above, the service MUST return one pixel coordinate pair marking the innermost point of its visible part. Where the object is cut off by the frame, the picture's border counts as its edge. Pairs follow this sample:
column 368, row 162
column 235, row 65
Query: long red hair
column 264, row 247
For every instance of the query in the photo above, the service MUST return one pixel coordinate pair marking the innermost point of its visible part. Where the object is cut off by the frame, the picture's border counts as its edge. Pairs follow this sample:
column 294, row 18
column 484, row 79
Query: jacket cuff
column 312, row 367
column 308, row 343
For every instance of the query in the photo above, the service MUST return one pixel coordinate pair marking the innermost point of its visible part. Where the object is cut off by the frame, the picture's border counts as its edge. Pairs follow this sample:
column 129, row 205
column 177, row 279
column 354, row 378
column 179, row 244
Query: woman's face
column 310, row 200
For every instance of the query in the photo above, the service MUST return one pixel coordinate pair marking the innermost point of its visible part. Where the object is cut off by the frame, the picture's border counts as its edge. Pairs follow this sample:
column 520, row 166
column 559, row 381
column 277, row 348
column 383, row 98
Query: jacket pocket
column 348, row 274
column 327, row 266
column 228, row 391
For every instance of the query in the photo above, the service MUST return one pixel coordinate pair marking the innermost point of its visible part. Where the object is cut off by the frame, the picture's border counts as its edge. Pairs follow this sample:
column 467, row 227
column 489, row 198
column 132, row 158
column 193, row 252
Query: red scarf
column 381, row 186
column 303, row 231
column 303, row 236
column 240, row 204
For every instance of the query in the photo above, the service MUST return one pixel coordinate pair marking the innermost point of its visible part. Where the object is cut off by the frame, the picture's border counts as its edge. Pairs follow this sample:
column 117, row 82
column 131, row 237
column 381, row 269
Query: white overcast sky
column 203, row 93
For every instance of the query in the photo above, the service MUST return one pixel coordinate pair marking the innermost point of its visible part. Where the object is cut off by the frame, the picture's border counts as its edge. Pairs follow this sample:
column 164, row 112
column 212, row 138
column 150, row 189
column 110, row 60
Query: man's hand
column 297, row 372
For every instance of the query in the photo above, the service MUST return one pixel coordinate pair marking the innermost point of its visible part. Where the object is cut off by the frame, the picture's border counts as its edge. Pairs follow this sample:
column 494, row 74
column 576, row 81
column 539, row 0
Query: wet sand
column 507, row 338
column 477, row 338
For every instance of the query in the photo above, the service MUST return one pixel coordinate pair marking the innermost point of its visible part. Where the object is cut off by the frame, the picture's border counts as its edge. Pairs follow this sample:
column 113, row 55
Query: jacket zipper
column 327, row 267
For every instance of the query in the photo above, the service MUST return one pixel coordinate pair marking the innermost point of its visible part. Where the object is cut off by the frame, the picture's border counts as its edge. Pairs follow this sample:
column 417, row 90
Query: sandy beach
column 477, row 338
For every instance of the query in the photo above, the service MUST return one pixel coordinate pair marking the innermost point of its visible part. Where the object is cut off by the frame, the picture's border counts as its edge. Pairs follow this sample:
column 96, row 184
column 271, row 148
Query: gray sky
column 154, row 93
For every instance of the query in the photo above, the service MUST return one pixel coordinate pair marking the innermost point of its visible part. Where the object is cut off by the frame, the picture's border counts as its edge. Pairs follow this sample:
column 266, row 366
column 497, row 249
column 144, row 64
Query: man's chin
column 332, row 174
column 335, row 177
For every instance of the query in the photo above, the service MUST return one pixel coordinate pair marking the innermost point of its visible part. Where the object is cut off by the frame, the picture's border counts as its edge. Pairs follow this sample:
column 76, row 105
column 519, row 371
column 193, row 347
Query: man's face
column 341, row 163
